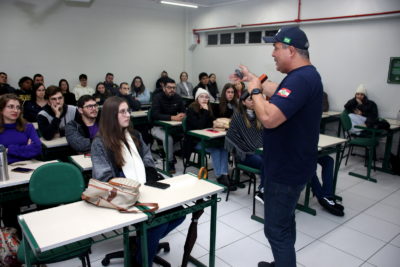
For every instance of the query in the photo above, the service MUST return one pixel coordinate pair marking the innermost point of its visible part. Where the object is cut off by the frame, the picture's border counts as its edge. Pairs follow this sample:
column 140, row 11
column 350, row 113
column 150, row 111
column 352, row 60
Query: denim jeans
column 326, row 190
column 256, row 161
column 280, row 225
column 153, row 238
column 219, row 157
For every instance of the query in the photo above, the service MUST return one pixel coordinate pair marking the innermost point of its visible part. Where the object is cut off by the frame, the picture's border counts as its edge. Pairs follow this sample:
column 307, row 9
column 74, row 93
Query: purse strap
column 151, row 207
column 203, row 173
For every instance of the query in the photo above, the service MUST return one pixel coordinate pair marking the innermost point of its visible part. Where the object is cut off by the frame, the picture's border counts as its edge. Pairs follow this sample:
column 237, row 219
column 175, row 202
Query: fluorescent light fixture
column 177, row 3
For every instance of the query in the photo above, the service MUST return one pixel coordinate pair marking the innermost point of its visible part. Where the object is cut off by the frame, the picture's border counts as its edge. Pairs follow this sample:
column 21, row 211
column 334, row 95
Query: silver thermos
column 3, row 164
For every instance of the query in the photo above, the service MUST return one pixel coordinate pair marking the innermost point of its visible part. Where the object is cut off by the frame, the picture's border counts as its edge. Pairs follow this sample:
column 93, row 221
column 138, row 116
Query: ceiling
column 212, row 3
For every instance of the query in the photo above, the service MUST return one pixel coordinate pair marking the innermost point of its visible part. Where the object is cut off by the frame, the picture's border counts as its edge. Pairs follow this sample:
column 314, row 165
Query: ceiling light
column 176, row 3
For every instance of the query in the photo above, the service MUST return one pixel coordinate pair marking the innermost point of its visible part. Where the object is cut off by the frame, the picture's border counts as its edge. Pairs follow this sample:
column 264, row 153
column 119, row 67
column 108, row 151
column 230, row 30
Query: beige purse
column 119, row 193
column 221, row 123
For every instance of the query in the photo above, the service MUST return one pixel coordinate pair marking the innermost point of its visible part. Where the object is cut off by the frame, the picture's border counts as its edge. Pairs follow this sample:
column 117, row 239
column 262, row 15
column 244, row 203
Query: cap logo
column 287, row 40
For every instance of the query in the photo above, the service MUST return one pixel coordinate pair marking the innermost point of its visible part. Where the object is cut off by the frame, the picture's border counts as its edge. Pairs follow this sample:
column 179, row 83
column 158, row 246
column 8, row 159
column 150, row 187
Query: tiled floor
column 368, row 234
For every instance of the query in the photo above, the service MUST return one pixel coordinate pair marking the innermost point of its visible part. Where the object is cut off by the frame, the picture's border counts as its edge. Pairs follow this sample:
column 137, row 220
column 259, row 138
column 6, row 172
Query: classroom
column 352, row 43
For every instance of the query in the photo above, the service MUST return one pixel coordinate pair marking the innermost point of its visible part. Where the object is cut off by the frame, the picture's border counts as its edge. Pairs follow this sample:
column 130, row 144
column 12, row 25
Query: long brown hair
column 196, row 107
column 110, row 130
column 243, row 112
column 21, row 122
column 223, row 102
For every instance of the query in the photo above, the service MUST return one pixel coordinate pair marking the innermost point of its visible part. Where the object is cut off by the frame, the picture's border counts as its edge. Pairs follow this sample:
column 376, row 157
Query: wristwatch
column 256, row 91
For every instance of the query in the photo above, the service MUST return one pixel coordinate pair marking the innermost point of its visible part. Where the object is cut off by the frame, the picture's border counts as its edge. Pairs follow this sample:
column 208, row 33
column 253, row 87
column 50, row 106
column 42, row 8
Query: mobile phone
column 22, row 170
column 262, row 78
column 157, row 185
column 239, row 74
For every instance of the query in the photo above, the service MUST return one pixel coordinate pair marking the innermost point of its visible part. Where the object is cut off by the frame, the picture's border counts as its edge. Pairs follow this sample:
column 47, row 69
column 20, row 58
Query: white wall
column 56, row 39
column 345, row 53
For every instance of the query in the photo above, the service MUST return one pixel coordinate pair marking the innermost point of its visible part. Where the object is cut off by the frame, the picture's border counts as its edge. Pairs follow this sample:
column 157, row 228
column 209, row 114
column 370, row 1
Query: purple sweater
column 17, row 142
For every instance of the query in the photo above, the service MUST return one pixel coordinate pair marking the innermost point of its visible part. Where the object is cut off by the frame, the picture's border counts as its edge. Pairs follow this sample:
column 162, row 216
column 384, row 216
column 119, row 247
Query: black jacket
column 133, row 104
column 213, row 89
column 69, row 99
column 163, row 107
column 368, row 109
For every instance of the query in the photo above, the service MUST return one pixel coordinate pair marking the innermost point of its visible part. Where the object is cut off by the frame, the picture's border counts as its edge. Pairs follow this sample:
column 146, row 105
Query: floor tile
column 319, row 254
column 385, row 212
column 356, row 202
column 374, row 227
column 241, row 221
column 353, row 242
column 371, row 190
column 393, row 200
column 315, row 226
column 389, row 256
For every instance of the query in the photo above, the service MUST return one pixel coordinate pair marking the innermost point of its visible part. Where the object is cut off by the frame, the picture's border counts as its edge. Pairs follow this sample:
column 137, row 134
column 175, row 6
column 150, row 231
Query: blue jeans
column 280, row 225
column 326, row 190
column 255, row 161
column 154, row 235
column 219, row 157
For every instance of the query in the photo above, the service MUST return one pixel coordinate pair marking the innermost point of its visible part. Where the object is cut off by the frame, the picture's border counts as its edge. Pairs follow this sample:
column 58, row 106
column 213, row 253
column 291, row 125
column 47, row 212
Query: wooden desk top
column 139, row 114
column 56, row 142
column 85, row 163
column 328, row 141
column 69, row 223
column 17, row 178
column 208, row 133
column 184, row 188
column 331, row 113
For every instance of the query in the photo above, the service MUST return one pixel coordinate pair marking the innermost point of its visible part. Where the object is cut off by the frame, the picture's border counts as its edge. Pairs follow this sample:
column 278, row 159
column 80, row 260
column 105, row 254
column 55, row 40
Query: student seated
column 25, row 89
column 139, row 91
column 82, row 88
column 163, row 76
column 212, row 86
column 5, row 88
column 119, row 151
column 244, row 136
column 124, row 90
column 184, row 88
column 69, row 98
column 361, row 110
column 324, row 193
column 38, row 78
column 55, row 115
column 36, row 104
column 240, row 87
column 81, row 132
column 228, row 102
column 111, row 87
column 167, row 106
column 21, row 142
column 101, row 94
column 200, row 116
column 203, row 83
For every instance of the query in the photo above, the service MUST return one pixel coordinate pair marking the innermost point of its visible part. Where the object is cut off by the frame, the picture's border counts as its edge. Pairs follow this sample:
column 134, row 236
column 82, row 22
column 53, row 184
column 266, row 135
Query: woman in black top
column 212, row 86
column 228, row 102
column 101, row 93
column 36, row 104
column 69, row 98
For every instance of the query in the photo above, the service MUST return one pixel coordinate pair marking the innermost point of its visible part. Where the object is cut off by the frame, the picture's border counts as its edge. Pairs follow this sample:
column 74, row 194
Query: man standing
column 110, row 85
column 167, row 106
column 291, row 119
column 80, row 132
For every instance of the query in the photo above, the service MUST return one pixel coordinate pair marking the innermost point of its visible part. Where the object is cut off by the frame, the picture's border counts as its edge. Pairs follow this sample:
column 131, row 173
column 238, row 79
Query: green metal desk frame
column 205, row 142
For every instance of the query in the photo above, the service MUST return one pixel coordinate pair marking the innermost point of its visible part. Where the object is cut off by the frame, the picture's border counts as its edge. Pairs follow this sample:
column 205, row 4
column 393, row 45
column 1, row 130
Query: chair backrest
column 346, row 122
column 56, row 183
column 149, row 118
column 184, row 125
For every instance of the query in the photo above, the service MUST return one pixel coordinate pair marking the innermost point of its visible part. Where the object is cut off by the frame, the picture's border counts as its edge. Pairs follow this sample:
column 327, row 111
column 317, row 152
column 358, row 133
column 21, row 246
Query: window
column 226, row 38
column 239, row 38
column 212, row 39
column 270, row 32
column 255, row 37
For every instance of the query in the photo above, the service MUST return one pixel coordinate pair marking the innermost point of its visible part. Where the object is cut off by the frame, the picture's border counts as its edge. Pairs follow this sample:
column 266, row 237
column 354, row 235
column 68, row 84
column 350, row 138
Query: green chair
column 51, row 185
column 369, row 143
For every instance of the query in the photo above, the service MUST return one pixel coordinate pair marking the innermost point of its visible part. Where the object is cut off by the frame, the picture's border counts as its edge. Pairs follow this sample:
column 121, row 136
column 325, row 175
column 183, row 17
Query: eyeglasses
column 91, row 106
column 170, row 87
column 56, row 98
column 204, row 96
column 125, row 111
column 13, row 107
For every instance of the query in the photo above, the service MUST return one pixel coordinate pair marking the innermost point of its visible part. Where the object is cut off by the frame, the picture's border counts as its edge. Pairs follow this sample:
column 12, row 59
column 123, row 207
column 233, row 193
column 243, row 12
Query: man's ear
column 80, row 110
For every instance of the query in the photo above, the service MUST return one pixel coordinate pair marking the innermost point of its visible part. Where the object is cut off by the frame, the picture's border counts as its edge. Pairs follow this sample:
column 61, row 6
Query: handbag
column 9, row 243
column 121, row 194
column 221, row 123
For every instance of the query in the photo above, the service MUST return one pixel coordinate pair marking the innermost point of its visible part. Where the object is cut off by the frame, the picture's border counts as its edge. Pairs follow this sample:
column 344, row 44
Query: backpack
column 9, row 243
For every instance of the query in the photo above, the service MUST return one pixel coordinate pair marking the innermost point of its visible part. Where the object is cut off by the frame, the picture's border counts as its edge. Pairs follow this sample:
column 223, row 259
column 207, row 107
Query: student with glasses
column 55, row 115
column 119, row 151
column 167, row 106
column 81, row 131
column 21, row 142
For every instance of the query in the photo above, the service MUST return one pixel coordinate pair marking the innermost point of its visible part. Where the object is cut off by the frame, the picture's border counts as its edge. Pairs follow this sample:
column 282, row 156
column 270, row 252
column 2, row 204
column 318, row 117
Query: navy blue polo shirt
column 290, row 150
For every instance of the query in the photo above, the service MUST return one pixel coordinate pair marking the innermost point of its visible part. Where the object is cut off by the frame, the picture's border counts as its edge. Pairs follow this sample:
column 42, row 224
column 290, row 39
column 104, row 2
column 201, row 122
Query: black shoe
column 171, row 166
column 161, row 153
column 337, row 205
column 260, row 197
column 224, row 180
column 329, row 205
column 266, row 264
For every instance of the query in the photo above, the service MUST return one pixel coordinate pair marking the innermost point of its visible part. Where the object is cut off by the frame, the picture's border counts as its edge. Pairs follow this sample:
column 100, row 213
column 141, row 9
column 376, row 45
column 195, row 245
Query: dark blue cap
column 291, row 36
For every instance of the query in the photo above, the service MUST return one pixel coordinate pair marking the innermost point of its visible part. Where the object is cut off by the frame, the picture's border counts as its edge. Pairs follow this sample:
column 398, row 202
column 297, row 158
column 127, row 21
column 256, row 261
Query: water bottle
column 3, row 164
